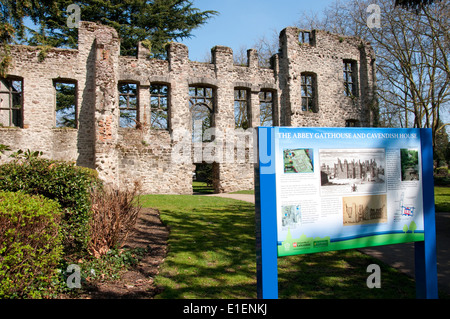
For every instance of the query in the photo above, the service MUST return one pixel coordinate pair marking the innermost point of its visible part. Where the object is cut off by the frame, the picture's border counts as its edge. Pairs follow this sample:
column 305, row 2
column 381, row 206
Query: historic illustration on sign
column 352, row 171
column 360, row 210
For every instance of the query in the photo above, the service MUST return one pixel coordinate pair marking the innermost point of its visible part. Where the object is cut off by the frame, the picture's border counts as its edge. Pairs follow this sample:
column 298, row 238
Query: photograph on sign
column 341, row 188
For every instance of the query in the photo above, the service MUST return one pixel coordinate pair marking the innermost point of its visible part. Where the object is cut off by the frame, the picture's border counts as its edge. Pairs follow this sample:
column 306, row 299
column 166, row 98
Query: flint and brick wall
column 125, row 155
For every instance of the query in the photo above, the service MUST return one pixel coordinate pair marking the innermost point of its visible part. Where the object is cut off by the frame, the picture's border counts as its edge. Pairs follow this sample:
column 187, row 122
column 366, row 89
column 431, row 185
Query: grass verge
column 442, row 198
column 212, row 255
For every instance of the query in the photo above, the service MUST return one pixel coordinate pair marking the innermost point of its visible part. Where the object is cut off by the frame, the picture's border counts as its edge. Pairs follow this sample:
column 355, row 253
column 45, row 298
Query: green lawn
column 212, row 255
column 442, row 199
column 202, row 187
column 211, row 247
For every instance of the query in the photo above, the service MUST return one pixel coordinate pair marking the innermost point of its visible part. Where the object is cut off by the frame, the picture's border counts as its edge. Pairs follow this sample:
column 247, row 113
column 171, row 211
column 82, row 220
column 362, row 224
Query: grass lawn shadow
column 212, row 255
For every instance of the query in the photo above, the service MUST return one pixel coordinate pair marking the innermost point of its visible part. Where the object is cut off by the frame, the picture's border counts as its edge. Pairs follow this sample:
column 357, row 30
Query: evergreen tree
column 154, row 22
column 65, row 105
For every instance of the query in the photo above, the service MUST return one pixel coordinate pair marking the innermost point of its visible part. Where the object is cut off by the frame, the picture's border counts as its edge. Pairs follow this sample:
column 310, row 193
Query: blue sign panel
column 322, row 189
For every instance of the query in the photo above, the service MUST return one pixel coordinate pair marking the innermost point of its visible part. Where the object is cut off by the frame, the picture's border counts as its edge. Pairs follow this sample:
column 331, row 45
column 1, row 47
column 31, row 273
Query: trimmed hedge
column 30, row 245
column 441, row 181
column 63, row 182
column 441, row 176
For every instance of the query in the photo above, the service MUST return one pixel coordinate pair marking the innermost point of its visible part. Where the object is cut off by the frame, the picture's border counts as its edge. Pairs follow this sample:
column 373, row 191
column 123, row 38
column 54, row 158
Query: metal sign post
column 425, row 251
column 265, row 206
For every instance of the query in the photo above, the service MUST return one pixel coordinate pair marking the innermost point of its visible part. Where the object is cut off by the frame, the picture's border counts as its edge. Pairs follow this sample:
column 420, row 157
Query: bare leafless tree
column 412, row 50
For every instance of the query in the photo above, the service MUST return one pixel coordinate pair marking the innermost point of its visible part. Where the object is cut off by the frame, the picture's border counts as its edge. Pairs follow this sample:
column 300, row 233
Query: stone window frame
column 209, row 102
column 303, row 39
column 262, row 96
column 306, row 87
column 350, row 73
column 242, row 100
column 160, row 95
column 67, row 81
column 136, row 108
column 10, row 109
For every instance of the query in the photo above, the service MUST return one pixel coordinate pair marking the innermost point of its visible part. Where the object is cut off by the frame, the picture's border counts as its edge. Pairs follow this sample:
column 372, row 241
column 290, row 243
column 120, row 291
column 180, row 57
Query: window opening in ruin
column 159, row 105
column 11, row 102
column 308, row 93
column 201, row 103
column 352, row 123
column 128, row 104
column 266, row 108
column 66, row 104
column 304, row 37
column 241, row 116
column 349, row 78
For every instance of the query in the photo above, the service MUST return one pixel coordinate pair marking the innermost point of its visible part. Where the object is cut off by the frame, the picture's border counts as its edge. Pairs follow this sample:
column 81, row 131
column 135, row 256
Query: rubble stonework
column 124, row 155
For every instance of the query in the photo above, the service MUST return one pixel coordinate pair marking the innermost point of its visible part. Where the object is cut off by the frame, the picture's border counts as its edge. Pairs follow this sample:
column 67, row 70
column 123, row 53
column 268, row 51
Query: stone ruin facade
column 131, row 114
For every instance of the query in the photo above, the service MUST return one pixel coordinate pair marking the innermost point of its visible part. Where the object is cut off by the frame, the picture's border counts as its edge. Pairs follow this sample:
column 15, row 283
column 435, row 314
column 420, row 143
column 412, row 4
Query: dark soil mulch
column 137, row 283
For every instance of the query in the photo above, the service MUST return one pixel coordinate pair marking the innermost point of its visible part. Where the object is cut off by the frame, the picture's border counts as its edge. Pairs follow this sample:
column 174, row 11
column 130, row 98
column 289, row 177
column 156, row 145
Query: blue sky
column 241, row 23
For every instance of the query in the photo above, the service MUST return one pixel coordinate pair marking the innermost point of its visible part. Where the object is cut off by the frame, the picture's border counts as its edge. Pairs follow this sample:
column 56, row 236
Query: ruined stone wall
column 125, row 155
column 323, row 57
column 38, row 131
column 149, row 155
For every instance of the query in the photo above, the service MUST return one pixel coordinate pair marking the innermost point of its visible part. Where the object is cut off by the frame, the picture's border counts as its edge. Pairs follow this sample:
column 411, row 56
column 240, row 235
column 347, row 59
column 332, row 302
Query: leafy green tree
column 65, row 105
column 405, row 228
column 6, row 35
column 412, row 227
column 154, row 22
column 204, row 173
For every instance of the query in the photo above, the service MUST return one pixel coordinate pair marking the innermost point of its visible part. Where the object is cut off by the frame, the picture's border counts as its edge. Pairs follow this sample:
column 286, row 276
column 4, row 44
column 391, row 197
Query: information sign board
column 346, row 188
column 323, row 189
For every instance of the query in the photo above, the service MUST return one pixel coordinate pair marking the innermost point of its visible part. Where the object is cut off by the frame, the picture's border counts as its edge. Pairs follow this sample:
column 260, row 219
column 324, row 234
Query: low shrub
column 442, row 171
column 108, row 267
column 63, row 182
column 30, row 245
column 441, row 181
column 114, row 214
